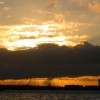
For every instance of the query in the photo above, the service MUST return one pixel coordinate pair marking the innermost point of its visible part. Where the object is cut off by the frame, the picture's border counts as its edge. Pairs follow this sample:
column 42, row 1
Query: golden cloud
column 7, row 8
column 59, row 17
column 31, row 35
column 53, row 3
column 80, row 3
column 94, row 7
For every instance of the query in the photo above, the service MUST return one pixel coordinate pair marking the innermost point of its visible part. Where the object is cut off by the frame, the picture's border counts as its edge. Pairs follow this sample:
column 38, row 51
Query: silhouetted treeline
column 67, row 87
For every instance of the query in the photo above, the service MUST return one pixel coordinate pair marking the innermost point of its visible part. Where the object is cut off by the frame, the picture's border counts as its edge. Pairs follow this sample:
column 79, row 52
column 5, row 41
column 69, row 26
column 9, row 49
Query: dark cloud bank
column 49, row 60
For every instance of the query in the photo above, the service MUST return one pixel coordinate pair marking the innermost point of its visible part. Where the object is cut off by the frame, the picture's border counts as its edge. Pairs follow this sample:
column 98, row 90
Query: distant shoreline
column 28, row 87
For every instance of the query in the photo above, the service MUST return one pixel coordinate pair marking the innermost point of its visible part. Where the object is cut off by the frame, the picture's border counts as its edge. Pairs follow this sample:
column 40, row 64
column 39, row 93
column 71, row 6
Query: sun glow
column 30, row 36
column 61, row 81
column 44, row 27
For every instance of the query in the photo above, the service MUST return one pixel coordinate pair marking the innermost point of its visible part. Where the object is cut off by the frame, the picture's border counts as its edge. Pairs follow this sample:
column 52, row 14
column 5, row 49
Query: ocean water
column 49, row 95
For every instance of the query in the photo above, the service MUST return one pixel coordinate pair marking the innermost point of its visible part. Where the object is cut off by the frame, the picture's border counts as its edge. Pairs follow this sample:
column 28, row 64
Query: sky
column 50, row 39
column 64, row 22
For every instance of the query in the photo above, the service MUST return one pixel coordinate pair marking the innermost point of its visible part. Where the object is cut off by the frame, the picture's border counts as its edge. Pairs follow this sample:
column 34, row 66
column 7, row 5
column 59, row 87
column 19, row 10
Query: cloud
column 49, row 60
column 24, row 36
column 94, row 7
column 59, row 17
column 80, row 3
column 2, row 2
column 53, row 3
column 7, row 8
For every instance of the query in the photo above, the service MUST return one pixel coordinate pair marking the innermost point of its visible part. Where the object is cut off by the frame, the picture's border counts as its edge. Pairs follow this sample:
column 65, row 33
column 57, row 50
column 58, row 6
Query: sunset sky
column 48, row 39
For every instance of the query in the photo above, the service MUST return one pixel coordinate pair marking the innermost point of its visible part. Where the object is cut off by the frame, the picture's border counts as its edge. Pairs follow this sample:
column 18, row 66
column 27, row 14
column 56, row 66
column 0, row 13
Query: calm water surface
column 49, row 95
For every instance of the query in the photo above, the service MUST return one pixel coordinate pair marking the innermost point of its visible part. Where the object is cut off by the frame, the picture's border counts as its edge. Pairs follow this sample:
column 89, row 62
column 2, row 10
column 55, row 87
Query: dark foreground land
column 27, row 87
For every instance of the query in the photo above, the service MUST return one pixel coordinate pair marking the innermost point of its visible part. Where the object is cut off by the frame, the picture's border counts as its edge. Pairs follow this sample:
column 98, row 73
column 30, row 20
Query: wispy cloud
column 7, row 8
column 94, row 7
column 2, row 2
column 59, row 17
column 53, row 3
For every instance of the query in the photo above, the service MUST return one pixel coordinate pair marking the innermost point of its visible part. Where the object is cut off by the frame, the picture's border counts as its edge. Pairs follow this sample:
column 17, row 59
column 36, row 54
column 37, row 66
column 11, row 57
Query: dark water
column 49, row 95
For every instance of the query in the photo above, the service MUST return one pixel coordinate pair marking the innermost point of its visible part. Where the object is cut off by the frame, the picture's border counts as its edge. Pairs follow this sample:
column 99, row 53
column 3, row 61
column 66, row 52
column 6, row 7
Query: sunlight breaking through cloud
column 30, row 36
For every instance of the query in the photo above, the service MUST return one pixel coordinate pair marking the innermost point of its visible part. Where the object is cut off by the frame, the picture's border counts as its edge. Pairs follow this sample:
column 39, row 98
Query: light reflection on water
column 49, row 95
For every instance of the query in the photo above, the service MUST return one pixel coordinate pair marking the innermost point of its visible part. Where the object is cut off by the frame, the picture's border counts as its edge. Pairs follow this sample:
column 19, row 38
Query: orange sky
column 63, row 22
column 26, row 24
column 85, row 80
